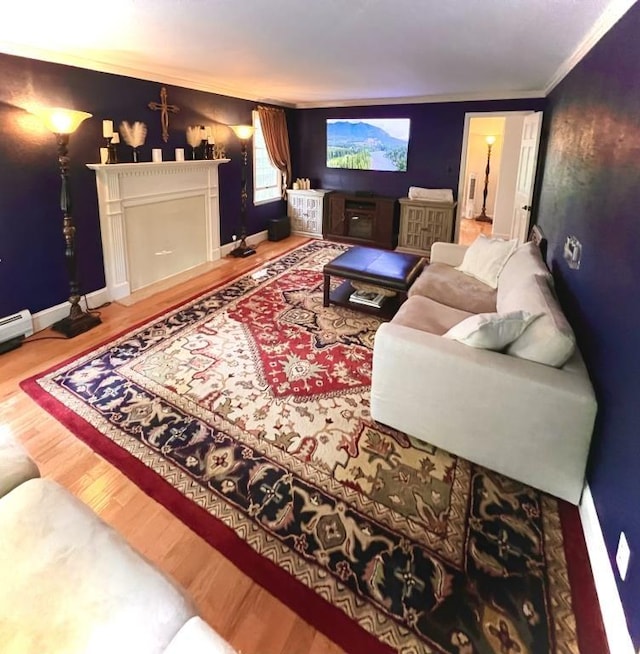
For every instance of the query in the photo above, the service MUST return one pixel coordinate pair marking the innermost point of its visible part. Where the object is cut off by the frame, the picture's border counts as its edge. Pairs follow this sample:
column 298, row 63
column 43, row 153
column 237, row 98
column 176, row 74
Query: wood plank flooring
column 470, row 229
column 245, row 614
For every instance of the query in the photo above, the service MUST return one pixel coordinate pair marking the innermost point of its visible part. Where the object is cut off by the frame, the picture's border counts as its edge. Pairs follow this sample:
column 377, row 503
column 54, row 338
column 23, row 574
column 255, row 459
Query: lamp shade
column 243, row 132
column 490, row 140
column 59, row 120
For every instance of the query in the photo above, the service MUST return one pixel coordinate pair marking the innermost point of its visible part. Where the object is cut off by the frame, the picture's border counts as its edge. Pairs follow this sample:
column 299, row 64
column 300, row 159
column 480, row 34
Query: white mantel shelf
column 157, row 219
column 189, row 163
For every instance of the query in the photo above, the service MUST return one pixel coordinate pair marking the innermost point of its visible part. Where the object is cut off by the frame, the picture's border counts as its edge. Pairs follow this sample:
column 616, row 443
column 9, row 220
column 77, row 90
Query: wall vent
column 15, row 326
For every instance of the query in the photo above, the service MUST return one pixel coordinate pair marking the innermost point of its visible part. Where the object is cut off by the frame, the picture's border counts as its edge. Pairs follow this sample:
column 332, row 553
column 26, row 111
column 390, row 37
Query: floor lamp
column 483, row 218
column 244, row 133
column 63, row 122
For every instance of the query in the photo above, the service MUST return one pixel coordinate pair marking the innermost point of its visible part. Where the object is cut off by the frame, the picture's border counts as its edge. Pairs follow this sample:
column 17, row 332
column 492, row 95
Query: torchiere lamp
column 483, row 218
column 63, row 122
column 244, row 133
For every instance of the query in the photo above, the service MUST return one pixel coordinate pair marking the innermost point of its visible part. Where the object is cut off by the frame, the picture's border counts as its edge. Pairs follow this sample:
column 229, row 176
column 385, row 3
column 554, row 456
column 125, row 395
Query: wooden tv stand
column 361, row 218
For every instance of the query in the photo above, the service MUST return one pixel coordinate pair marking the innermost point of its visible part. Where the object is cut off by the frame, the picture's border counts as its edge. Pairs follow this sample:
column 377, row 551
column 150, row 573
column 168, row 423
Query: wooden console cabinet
column 422, row 223
column 306, row 210
column 361, row 219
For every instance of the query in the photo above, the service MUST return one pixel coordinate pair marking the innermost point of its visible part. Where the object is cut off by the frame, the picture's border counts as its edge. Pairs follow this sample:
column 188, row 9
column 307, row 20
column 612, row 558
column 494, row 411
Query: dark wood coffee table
column 395, row 271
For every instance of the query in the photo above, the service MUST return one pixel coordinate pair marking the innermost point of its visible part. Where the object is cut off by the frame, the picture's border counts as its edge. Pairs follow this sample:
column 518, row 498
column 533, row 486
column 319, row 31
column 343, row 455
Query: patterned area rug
column 251, row 405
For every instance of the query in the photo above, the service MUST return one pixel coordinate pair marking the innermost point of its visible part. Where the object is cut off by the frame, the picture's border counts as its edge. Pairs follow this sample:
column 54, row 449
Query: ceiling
column 323, row 52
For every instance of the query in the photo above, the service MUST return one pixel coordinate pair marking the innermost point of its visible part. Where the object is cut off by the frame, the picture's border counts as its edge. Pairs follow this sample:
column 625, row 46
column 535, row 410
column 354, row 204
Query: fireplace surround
column 157, row 220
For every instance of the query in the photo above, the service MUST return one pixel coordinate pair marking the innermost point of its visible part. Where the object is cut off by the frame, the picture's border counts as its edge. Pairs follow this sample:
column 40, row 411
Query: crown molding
column 425, row 99
column 199, row 84
column 195, row 83
column 611, row 15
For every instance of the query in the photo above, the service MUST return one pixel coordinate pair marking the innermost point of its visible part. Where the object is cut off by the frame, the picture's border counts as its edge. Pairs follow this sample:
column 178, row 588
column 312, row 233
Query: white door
column 526, row 176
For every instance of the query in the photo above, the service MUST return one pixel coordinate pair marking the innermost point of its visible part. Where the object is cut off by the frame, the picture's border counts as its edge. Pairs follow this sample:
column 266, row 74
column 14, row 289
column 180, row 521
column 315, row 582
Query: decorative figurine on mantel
column 164, row 110
column 194, row 139
column 112, row 139
column 134, row 136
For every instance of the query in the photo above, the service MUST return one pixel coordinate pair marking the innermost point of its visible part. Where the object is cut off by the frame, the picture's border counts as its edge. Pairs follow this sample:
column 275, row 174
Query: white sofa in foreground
column 70, row 584
column 526, row 411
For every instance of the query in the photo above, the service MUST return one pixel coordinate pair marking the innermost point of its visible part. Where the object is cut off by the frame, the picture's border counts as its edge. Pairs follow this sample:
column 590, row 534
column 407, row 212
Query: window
column 267, row 179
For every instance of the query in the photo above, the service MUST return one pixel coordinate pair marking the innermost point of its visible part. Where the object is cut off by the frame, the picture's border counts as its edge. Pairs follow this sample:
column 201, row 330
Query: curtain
column 273, row 123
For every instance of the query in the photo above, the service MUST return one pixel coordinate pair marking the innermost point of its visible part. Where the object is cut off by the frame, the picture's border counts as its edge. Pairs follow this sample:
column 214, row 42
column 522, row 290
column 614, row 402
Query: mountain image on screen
column 362, row 145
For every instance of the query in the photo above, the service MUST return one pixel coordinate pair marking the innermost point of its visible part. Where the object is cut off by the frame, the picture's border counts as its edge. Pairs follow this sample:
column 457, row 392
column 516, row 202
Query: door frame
column 463, row 158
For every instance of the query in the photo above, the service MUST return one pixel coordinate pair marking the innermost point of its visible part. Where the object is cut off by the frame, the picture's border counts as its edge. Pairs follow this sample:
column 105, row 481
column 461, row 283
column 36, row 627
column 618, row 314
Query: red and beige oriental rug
column 246, row 412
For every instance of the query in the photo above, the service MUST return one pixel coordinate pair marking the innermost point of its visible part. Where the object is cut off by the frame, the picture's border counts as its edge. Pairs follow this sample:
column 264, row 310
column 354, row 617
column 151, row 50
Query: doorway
column 494, row 169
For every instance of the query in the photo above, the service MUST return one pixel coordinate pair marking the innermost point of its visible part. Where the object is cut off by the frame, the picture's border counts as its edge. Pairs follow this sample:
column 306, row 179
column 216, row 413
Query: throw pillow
column 491, row 331
column 550, row 340
column 485, row 258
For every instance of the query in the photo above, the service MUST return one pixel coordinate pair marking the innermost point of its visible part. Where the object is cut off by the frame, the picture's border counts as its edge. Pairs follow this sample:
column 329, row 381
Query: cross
column 164, row 109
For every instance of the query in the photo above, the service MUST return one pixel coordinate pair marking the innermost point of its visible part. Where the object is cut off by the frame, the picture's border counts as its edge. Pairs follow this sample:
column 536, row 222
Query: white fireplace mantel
column 157, row 220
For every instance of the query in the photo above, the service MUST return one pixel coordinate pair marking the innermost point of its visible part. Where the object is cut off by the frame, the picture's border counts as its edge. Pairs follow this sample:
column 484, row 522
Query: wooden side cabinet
column 361, row 219
column 306, row 211
column 422, row 223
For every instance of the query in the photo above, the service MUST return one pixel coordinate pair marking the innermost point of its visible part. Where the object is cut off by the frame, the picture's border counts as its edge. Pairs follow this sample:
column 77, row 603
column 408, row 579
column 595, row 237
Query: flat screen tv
column 368, row 144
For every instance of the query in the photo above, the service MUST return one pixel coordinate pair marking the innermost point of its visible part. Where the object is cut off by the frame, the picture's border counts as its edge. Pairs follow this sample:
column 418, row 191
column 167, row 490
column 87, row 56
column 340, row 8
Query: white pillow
column 550, row 340
column 491, row 331
column 485, row 258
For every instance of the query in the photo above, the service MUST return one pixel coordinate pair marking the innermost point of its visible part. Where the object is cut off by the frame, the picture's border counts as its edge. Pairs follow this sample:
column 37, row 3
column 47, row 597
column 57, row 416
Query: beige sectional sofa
column 526, row 411
column 72, row 585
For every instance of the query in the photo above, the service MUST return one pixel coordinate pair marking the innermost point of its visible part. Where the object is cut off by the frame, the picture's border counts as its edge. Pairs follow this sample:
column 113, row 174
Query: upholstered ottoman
column 377, row 269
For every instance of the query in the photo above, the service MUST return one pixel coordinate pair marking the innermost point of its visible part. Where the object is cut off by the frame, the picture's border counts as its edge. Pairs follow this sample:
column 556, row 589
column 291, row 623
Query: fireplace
column 157, row 220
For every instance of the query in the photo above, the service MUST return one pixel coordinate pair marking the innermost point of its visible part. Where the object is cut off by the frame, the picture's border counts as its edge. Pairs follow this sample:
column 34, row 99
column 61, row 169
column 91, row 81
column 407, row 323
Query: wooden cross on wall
column 164, row 109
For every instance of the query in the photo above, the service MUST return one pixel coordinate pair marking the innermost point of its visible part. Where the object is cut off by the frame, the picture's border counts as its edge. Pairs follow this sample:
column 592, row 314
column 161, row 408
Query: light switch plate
column 573, row 252
column 622, row 556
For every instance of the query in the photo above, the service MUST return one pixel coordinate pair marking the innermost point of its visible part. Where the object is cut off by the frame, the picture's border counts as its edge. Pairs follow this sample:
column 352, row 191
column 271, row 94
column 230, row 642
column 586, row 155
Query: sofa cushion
column 197, row 636
column 449, row 286
column 72, row 585
column 427, row 315
column 549, row 339
column 525, row 262
column 15, row 464
column 486, row 257
column 490, row 331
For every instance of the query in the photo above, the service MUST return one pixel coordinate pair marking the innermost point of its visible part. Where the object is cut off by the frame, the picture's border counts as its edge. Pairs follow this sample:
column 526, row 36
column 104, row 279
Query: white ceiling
column 319, row 52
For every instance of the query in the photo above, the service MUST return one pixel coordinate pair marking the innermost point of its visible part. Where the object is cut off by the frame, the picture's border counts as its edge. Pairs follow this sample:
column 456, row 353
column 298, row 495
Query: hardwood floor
column 470, row 229
column 241, row 611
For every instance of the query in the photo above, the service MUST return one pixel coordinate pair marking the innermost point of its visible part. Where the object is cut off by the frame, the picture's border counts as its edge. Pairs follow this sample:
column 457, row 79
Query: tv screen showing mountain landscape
column 368, row 144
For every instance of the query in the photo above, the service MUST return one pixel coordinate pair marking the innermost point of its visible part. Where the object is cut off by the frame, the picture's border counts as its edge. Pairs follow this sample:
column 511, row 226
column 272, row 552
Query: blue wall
column 435, row 145
column 591, row 189
column 32, row 266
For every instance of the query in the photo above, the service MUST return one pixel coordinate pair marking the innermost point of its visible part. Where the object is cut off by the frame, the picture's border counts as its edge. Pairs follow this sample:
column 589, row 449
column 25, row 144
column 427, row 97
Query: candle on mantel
column 115, row 138
column 107, row 128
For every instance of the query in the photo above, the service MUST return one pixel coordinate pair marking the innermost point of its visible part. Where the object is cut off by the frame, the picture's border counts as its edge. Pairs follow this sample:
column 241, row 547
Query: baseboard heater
column 14, row 329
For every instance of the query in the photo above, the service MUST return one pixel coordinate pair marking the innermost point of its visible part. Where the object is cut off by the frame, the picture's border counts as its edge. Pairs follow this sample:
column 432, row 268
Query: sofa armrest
column 526, row 420
column 196, row 635
column 449, row 253
column 16, row 466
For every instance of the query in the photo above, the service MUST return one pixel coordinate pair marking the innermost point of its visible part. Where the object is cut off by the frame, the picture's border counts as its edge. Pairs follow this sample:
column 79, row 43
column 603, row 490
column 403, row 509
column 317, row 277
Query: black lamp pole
column 483, row 218
column 78, row 321
column 63, row 122
column 244, row 132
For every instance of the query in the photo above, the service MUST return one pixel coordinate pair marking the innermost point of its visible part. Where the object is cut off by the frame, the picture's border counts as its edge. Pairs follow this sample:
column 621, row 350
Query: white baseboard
column 252, row 240
column 615, row 623
column 47, row 317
